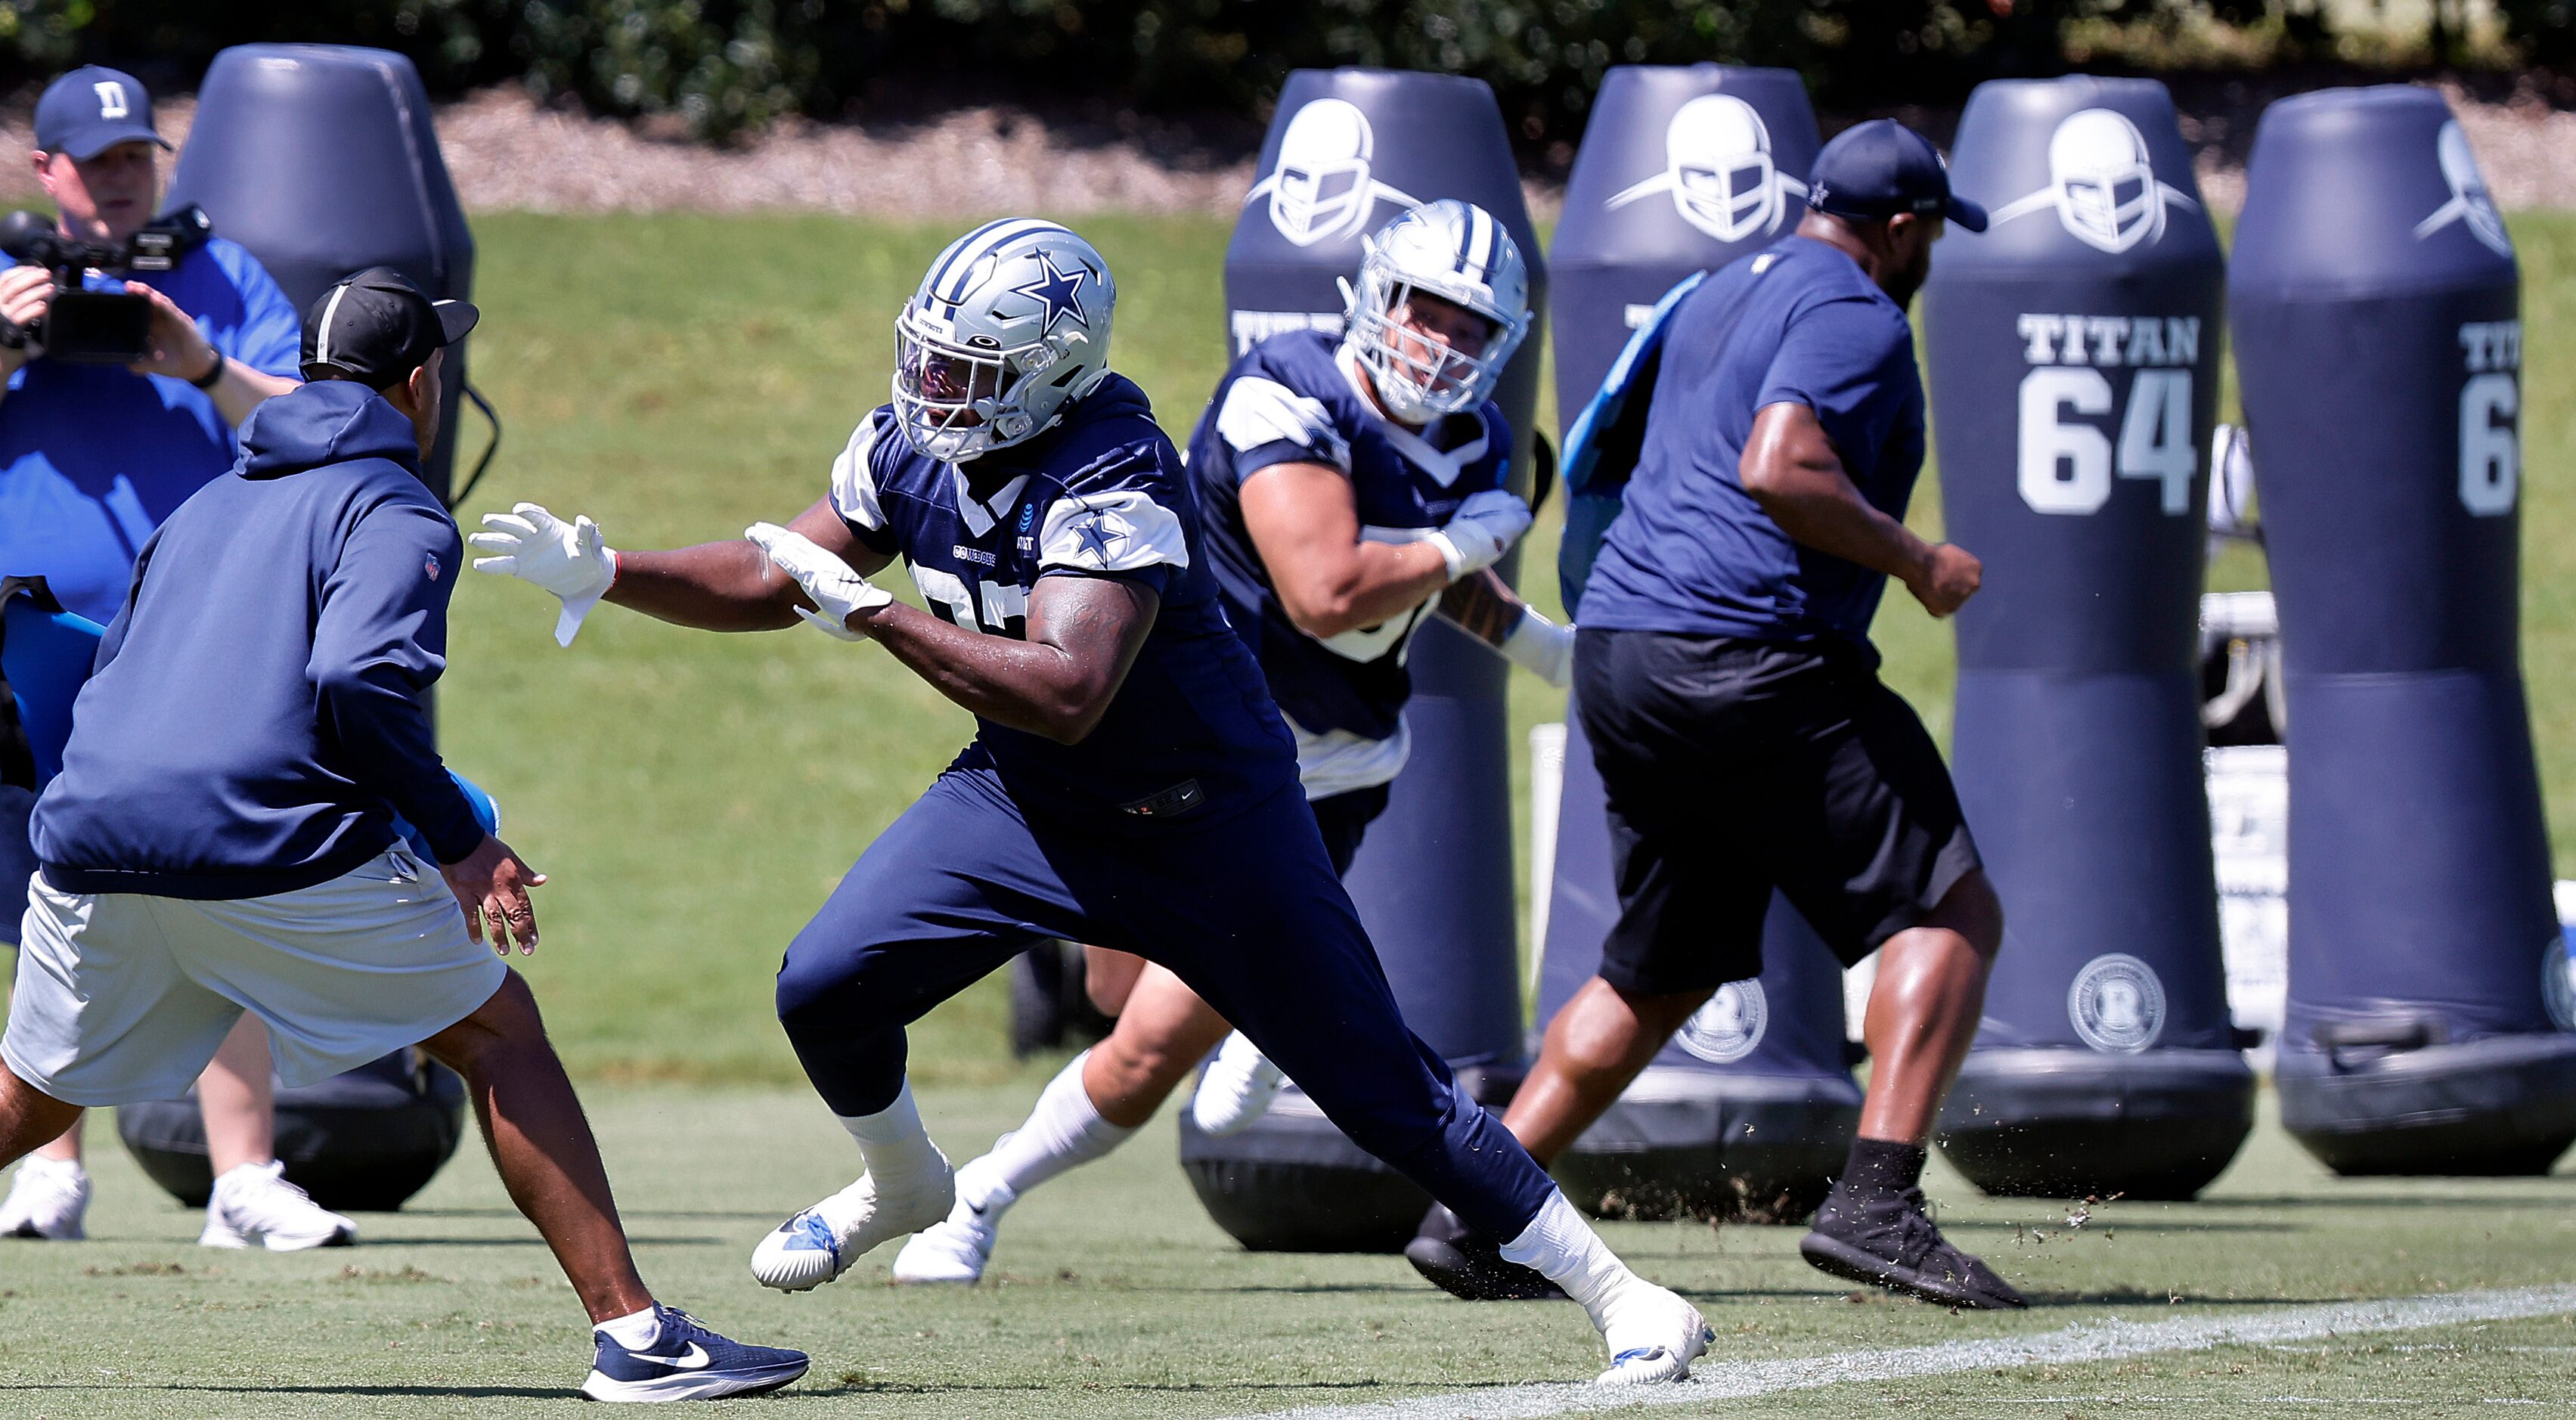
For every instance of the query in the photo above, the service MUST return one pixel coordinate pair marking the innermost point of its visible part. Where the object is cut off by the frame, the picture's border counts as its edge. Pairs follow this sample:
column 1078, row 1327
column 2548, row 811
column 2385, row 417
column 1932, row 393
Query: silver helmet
column 1009, row 327
column 1458, row 252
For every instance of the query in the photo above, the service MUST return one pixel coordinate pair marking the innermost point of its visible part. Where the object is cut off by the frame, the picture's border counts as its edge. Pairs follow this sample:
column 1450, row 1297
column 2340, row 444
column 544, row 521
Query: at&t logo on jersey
column 2101, row 183
column 1719, row 172
column 1320, row 189
column 1729, row 1027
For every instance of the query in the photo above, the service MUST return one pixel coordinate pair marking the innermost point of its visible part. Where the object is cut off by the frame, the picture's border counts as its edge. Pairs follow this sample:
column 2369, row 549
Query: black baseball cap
column 1877, row 169
column 376, row 328
column 92, row 109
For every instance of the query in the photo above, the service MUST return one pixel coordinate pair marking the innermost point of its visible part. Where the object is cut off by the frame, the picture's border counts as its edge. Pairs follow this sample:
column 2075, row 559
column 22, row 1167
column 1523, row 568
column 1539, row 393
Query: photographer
column 92, row 458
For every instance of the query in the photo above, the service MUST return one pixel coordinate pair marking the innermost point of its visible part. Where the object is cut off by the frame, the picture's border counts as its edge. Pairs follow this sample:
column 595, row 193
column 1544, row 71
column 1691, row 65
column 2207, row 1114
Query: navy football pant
column 1248, row 911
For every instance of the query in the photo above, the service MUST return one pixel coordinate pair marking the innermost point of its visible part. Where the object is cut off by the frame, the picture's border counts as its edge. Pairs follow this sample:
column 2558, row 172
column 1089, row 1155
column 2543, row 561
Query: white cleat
column 46, row 1200
column 822, row 1242
column 1653, row 1338
column 1236, row 1090
column 254, row 1203
column 958, row 1248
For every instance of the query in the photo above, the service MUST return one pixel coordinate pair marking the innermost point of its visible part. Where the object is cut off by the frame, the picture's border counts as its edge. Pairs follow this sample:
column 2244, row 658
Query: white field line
column 2085, row 1343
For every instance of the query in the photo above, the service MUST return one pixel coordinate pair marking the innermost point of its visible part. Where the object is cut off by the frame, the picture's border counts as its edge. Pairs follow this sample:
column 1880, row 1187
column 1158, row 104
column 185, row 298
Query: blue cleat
column 687, row 1362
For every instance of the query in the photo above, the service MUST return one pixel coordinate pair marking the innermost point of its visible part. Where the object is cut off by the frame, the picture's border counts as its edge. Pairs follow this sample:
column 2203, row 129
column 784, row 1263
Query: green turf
column 1117, row 1297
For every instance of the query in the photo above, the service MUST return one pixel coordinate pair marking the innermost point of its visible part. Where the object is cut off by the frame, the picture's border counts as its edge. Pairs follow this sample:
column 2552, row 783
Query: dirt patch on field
column 506, row 152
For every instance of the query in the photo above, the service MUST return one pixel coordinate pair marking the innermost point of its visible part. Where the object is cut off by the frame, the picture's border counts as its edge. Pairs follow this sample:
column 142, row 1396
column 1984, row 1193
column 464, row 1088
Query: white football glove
column 1485, row 527
column 1541, row 647
column 567, row 559
column 826, row 578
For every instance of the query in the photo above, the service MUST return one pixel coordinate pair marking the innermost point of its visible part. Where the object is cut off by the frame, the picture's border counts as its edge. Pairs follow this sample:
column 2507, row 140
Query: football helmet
column 1008, row 328
column 1458, row 252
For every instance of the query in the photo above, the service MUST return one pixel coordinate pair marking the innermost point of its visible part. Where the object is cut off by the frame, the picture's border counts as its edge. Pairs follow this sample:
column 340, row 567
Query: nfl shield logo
column 429, row 565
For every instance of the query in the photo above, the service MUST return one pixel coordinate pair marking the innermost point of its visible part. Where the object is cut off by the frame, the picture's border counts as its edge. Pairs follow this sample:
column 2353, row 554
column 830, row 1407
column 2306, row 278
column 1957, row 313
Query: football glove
column 1485, row 527
column 567, row 559
column 1541, row 647
column 826, row 578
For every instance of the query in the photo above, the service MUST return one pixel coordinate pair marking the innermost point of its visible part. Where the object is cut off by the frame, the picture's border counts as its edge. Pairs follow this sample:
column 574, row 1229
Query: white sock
column 635, row 1331
column 893, row 1143
column 37, row 1165
column 1064, row 1131
column 1565, row 1250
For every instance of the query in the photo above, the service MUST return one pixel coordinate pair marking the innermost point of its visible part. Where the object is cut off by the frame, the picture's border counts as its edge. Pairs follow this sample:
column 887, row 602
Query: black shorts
column 1344, row 819
column 1736, row 767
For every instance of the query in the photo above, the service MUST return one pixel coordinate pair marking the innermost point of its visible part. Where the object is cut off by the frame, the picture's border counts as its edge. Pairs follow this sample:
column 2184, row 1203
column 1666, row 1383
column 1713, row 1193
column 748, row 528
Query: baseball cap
column 376, row 328
column 1880, row 168
column 92, row 109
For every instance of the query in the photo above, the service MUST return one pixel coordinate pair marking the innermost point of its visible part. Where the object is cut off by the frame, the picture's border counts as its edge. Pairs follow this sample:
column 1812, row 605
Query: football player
column 1351, row 486
column 1130, row 782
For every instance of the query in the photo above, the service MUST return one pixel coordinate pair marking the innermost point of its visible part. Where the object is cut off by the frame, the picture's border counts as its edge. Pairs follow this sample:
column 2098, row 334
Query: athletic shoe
column 820, row 1243
column 1236, row 1090
column 46, row 1200
column 1467, row 1264
column 254, row 1202
column 1653, row 1335
column 1887, row 1240
column 687, row 1362
column 959, row 1247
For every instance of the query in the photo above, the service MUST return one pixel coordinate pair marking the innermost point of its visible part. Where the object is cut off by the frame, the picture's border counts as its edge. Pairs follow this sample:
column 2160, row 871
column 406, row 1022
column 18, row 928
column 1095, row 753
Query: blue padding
column 45, row 656
column 1601, row 448
column 486, row 813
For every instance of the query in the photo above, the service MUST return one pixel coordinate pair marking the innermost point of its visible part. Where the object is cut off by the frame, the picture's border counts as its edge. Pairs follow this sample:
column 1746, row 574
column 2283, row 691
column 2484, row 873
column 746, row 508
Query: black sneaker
column 1467, row 1264
column 1887, row 1240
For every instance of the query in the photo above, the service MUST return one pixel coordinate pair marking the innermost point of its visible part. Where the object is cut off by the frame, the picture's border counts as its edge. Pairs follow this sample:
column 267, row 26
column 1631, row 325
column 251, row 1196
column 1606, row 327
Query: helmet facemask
column 1735, row 200
column 1419, row 375
column 2113, row 209
column 955, row 401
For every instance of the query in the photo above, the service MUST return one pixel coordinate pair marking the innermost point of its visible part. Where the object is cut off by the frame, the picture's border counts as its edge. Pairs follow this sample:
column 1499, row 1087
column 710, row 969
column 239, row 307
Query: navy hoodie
column 256, row 719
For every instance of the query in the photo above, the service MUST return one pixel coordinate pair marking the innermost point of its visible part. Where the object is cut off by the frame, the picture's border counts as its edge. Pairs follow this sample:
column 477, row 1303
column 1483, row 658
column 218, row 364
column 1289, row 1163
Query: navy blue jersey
column 1798, row 322
column 1192, row 734
column 1292, row 399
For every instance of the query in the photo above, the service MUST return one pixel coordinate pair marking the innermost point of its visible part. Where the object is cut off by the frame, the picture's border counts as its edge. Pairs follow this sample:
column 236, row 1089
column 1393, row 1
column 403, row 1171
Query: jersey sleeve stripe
column 1124, row 531
column 1258, row 413
column 854, row 483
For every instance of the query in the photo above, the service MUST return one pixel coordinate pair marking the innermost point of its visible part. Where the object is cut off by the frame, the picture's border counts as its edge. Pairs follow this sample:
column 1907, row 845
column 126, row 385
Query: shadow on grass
column 426, row 1392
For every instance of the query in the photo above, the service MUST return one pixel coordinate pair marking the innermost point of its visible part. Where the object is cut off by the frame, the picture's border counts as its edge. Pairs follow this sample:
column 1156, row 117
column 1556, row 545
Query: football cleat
column 686, row 1362
column 1653, row 1336
column 46, row 1200
column 254, row 1203
column 1236, row 1090
column 820, row 1243
column 959, row 1247
column 1468, row 1265
column 1887, row 1240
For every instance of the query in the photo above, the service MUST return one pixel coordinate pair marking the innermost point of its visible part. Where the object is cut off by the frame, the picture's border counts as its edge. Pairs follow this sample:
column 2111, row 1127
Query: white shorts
column 123, row 997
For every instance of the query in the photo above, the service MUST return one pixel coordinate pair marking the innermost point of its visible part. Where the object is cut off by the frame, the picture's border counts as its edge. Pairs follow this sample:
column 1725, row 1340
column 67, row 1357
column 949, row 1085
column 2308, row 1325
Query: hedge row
column 728, row 65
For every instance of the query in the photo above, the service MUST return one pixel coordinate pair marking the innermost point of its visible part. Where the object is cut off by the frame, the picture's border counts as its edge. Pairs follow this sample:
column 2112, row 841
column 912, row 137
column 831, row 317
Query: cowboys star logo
column 1097, row 537
column 1058, row 291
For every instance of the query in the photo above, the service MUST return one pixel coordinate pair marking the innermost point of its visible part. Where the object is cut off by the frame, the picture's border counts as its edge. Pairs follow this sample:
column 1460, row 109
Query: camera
column 84, row 327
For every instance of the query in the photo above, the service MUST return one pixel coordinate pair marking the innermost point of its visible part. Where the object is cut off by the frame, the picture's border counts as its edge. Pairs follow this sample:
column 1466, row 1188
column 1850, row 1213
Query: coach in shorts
column 221, row 837
column 1730, row 692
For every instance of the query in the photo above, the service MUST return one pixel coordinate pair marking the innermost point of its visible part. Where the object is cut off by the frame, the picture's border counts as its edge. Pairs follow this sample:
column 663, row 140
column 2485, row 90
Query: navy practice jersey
column 1290, row 399
column 1192, row 734
column 1691, row 551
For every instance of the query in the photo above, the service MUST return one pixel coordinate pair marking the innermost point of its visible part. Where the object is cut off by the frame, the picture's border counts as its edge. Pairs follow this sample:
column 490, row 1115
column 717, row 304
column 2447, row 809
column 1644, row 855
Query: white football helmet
column 1719, row 156
column 1458, row 252
column 2107, row 192
column 1009, row 327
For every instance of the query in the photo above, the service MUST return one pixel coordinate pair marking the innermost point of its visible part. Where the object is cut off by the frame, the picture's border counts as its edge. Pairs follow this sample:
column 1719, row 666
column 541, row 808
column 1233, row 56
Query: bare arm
column 731, row 585
column 178, row 349
column 1083, row 635
column 1791, row 469
column 1305, row 523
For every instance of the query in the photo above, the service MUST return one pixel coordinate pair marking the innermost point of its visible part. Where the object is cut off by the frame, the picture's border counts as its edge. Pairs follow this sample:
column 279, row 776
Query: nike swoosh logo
column 977, row 1209
column 693, row 1359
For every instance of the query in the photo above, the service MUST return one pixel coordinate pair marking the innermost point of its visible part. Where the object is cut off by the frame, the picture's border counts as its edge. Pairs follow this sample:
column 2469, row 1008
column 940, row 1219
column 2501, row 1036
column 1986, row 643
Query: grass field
column 1118, row 1298
column 696, row 796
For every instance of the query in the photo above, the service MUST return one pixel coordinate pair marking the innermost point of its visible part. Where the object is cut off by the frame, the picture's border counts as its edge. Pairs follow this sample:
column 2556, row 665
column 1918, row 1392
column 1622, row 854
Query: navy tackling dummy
column 1350, row 487
column 1130, row 782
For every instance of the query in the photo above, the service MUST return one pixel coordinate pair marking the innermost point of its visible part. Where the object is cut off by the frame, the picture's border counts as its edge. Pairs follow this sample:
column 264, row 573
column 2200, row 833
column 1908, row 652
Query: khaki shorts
column 122, row 997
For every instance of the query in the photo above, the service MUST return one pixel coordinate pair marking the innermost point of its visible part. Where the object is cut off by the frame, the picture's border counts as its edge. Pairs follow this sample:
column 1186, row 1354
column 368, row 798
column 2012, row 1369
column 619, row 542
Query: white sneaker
column 959, row 1247
column 1653, row 1336
column 254, row 1202
column 820, row 1243
column 1237, row 1089
column 46, row 1200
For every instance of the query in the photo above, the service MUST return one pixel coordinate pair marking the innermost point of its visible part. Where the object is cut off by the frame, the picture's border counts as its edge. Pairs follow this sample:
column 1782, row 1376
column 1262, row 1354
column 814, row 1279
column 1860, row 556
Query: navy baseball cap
column 377, row 327
column 92, row 109
column 1877, row 169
